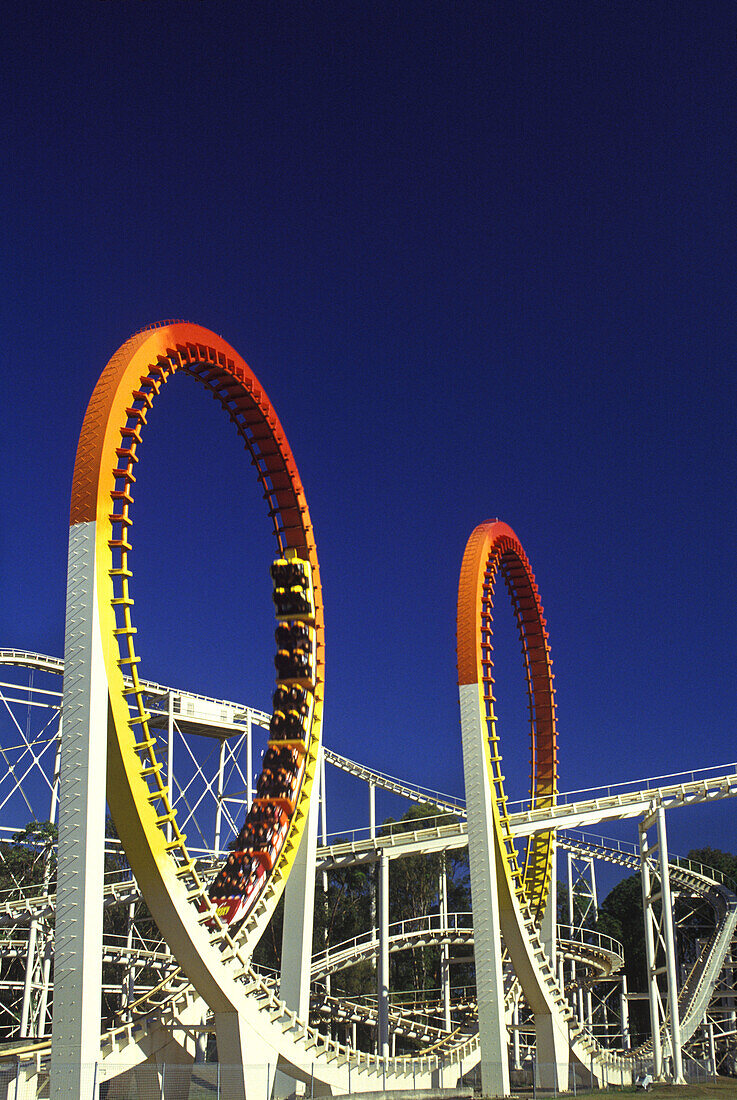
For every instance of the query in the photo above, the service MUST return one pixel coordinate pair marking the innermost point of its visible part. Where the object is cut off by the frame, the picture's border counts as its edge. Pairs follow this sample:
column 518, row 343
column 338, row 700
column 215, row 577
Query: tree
column 29, row 859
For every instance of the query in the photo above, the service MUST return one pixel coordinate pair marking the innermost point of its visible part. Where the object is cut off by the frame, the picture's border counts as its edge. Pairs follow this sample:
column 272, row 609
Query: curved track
column 601, row 953
column 102, row 495
column 214, row 958
column 494, row 549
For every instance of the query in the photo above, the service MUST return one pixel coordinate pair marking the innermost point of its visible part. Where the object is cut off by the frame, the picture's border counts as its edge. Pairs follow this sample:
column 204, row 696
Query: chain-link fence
column 217, row 1081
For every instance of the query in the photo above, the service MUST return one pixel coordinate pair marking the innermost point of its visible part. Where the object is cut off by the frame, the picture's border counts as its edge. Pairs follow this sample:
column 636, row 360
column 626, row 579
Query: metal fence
column 216, row 1081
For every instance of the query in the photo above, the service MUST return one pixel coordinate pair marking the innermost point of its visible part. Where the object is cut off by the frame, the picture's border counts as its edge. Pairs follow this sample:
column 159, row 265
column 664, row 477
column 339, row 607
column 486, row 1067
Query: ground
column 723, row 1088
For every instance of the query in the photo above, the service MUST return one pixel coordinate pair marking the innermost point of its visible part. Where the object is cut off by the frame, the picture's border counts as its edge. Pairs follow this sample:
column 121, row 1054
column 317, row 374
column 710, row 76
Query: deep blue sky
column 482, row 258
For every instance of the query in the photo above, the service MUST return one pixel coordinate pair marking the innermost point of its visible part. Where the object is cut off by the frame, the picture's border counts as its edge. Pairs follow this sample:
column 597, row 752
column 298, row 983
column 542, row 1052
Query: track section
column 706, row 883
column 102, row 494
column 600, row 953
column 494, row 549
column 395, row 786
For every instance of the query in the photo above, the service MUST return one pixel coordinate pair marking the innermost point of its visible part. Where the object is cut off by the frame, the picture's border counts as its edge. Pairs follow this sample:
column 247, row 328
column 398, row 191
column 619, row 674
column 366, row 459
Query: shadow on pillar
column 551, row 1053
column 247, row 1063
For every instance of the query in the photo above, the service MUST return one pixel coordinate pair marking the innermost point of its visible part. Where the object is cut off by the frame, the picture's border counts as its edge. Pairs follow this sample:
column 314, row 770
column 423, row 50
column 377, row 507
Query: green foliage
column 713, row 857
column 29, row 858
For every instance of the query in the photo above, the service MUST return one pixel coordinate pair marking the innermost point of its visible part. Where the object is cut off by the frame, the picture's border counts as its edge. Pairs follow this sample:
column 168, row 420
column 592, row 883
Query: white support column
column 249, row 760
column 323, row 800
column 652, row 981
column 45, row 984
column 296, row 943
column 516, row 1062
column 323, row 841
column 576, row 1002
column 299, row 910
column 219, row 809
column 75, row 1044
column 129, row 982
column 482, row 857
column 625, row 1013
column 372, row 810
column 383, row 967
column 712, row 1049
column 594, row 895
column 670, row 950
column 247, row 1063
column 54, row 802
column 170, row 753
column 28, row 982
column 549, row 923
column 445, row 949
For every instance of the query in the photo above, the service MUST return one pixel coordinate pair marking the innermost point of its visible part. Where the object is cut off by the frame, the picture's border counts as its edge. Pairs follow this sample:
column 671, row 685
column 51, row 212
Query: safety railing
column 395, row 829
column 411, row 928
column 597, row 942
column 634, row 787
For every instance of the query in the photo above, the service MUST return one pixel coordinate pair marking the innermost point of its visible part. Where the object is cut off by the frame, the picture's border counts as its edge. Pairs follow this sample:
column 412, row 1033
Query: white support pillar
column 516, row 1061
column 576, row 1001
column 482, row 844
column 670, row 950
column 129, row 982
column 28, row 981
column 296, row 943
column 445, row 949
column 625, row 1014
column 549, row 923
column 45, row 984
column 249, row 760
column 712, row 1049
column 323, row 841
column 650, row 962
column 372, row 810
column 299, row 910
column 247, row 1064
column 383, row 967
column 75, row 1047
column 54, row 802
column 219, row 795
column 170, row 753
column 594, row 895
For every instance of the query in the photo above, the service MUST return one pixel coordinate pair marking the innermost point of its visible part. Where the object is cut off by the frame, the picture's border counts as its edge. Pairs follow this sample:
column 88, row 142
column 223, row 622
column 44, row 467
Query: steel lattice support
column 583, row 910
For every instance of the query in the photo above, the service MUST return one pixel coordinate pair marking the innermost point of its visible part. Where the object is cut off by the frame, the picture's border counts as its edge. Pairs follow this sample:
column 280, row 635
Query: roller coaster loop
column 139, row 796
column 493, row 549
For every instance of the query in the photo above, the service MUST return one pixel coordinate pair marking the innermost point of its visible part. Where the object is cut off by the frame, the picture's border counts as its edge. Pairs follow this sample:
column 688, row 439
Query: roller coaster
column 185, row 1008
